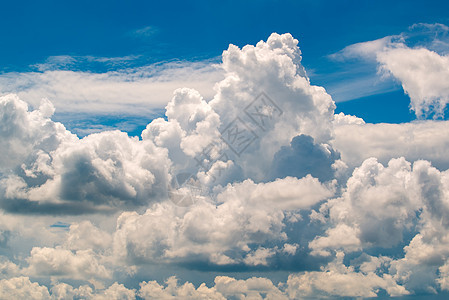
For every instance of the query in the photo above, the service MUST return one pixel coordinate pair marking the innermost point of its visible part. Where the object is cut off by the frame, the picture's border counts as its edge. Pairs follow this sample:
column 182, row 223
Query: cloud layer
column 262, row 177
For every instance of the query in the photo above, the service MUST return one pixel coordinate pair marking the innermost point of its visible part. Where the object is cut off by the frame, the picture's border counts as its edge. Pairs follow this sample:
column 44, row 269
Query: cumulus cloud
column 336, row 279
column 153, row 290
column 48, row 169
column 301, row 189
column 379, row 207
column 66, row 291
column 245, row 214
column 224, row 288
column 8, row 268
column 59, row 172
column 84, row 236
column 420, row 67
column 22, row 287
column 424, row 77
column 81, row 264
column 249, row 118
column 274, row 67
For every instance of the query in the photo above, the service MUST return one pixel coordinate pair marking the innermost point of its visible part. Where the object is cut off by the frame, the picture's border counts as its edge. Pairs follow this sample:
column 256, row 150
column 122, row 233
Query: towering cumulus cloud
column 261, row 178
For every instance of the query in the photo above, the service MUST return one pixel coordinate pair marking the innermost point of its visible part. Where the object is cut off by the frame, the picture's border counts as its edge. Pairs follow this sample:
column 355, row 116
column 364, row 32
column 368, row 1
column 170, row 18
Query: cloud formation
column 246, row 215
column 48, row 169
column 276, row 180
column 421, row 68
column 120, row 89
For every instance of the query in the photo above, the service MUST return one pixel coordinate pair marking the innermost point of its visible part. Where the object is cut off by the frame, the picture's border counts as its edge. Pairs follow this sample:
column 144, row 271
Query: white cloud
column 111, row 169
column 49, row 166
column 343, row 119
column 251, row 288
column 84, row 236
column 424, row 76
column 59, row 262
column 377, row 206
column 153, row 290
column 274, row 67
column 8, row 268
column 22, row 288
column 65, row 291
column 443, row 280
column 417, row 140
column 266, row 76
column 259, row 257
column 421, row 68
column 132, row 91
column 115, row 291
column 24, row 133
column 245, row 214
column 381, row 204
column 247, row 219
column 196, row 117
column 290, row 248
column 366, row 50
column 338, row 280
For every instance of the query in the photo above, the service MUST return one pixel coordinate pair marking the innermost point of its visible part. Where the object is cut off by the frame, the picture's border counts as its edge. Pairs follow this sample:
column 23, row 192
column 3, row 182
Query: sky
column 224, row 150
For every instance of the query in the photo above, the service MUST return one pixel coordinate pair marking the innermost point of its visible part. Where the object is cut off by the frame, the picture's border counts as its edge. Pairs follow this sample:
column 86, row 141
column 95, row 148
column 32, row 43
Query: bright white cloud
column 424, row 76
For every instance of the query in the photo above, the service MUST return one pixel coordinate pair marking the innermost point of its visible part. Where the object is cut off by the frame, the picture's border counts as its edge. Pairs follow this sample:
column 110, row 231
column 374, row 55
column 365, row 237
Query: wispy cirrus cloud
column 135, row 91
column 144, row 32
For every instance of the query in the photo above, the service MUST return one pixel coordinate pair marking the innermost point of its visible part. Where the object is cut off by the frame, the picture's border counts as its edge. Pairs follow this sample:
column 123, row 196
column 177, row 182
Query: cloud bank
column 262, row 177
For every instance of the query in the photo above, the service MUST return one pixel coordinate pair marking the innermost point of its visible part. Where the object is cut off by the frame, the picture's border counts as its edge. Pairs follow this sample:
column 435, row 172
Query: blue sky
column 342, row 193
column 153, row 31
column 196, row 29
